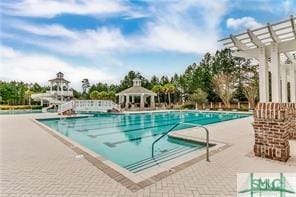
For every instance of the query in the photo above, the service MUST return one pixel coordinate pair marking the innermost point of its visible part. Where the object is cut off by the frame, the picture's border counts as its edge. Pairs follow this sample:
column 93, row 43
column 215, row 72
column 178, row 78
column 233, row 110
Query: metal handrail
column 195, row 125
column 171, row 129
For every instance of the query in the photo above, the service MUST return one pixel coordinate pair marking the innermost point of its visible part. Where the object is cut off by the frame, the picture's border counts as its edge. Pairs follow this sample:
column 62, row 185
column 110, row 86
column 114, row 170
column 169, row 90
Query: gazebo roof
column 136, row 90
column 59, row 78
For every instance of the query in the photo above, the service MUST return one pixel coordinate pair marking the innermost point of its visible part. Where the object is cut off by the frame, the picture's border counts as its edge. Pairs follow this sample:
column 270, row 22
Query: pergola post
column 275, row 73
column 263, row 76
column 292, row 83
column 284, row 84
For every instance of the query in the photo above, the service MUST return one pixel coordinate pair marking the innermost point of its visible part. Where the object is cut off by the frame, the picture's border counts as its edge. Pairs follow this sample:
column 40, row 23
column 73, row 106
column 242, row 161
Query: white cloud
column 243, row 23
column 173, row 26
column 89, row 42
column 54, row 30
column 187, row 27
column 177, row 27
column 7, row 52
column 16, row 65
column 51, row 8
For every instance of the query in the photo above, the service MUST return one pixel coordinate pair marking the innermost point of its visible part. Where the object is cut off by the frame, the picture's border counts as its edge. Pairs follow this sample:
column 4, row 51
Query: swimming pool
column 127, row 139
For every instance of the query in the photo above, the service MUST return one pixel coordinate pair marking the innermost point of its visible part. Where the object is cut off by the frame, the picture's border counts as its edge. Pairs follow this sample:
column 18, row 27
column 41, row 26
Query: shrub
column 19, row 107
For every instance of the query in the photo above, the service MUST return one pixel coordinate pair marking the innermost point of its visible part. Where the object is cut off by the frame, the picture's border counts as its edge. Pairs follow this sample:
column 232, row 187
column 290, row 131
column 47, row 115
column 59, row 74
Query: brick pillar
column 292, row 115
column 272, row 122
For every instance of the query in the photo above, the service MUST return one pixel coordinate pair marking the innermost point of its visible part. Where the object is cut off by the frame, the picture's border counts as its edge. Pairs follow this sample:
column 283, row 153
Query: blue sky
column 103, row 39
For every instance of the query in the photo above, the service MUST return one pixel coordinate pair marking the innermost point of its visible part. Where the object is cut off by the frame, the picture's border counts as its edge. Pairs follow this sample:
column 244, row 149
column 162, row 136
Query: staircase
column 45, row 109
column 66, row 108
column 159, row 158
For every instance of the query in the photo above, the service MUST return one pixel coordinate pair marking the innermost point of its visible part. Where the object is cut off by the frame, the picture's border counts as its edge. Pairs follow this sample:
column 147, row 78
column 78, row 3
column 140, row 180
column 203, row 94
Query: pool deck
column 34, row 163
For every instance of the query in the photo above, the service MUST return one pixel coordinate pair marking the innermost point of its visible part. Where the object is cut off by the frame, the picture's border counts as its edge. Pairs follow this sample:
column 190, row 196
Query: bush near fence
column 19, row 107
column 244, row 106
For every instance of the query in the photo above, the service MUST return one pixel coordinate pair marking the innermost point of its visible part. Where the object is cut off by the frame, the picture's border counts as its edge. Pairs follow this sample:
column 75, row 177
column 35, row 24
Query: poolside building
column 141, row 98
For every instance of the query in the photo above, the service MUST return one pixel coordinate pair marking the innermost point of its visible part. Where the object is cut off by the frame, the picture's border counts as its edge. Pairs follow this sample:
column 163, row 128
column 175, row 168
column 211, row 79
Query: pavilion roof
column 283, row 33
column 59, row 80
column 136, row 90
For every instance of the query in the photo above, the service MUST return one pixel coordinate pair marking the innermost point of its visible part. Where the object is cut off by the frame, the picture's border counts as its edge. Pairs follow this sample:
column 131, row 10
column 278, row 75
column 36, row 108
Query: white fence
column 88, row 106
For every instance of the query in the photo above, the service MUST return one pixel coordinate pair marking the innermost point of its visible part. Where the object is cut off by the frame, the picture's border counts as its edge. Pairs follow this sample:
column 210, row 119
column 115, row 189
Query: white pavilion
column 59, row 91
column 135, row 92
column 274, row 47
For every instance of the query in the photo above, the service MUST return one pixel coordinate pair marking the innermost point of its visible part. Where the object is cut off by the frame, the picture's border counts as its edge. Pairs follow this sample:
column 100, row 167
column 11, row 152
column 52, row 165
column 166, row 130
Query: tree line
column 216, row 78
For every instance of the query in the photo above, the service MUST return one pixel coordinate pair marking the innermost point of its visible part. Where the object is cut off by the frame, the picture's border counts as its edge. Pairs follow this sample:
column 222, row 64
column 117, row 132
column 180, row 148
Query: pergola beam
column 293, row 25
column 272, row 33
column 254, row 38
column 238, row 44
column 283, row 47
column 272, row 45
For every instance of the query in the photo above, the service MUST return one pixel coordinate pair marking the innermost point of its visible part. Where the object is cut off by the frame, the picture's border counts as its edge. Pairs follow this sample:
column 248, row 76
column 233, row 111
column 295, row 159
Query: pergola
column 136, row 91
column 274, row 47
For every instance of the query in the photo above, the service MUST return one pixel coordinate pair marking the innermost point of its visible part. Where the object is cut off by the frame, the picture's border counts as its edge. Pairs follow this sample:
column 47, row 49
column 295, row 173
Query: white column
column 142, row 102
column 292, row 82
column 263, row 76
column 284, row 84
column 127, row 101
column 152, row 102
column 51, row 87
column 62, row 90
column 275, row 73
column 133, row 99
column 119, row 99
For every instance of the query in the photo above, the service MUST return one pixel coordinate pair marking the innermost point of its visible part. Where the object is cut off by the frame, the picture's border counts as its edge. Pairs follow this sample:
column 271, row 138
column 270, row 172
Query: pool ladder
column 184, row 123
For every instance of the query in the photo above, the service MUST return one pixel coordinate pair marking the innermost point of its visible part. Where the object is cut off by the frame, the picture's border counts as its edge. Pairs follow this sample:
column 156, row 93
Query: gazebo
column 60, row 87
column 136, row 91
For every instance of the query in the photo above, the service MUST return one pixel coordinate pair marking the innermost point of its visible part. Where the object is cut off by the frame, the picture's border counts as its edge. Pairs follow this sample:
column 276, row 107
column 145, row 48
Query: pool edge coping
column 122, row 175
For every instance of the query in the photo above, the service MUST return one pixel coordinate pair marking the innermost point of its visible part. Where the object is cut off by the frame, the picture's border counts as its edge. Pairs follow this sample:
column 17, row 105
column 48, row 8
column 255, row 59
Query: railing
column 60, row 93
column 95, row 105
column 65, row 107
column 49, row 94
column 88, row 105
column 184, row 123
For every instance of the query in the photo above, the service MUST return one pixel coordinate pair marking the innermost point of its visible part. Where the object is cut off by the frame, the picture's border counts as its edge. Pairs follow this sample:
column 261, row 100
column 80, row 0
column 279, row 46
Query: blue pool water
column 127, row 139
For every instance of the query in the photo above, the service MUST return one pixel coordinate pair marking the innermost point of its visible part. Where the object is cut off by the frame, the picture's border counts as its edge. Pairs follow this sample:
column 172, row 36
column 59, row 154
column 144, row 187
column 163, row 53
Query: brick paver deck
column 33, row 163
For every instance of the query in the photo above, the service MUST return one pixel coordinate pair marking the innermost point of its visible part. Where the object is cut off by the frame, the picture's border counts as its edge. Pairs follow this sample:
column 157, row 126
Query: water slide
column 50, row 98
